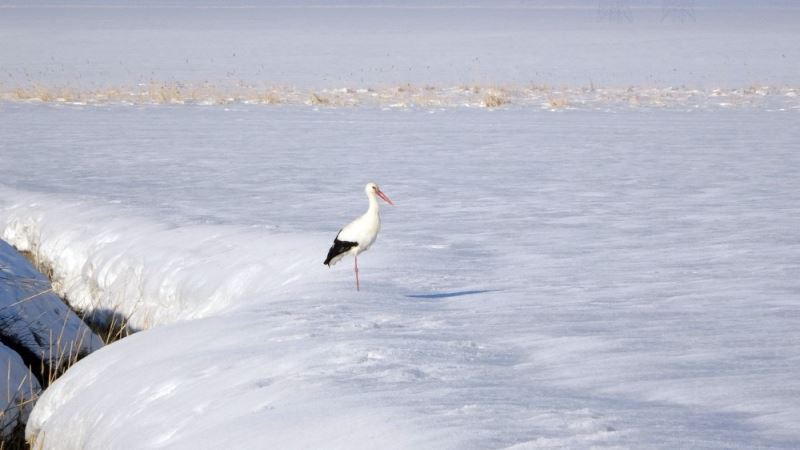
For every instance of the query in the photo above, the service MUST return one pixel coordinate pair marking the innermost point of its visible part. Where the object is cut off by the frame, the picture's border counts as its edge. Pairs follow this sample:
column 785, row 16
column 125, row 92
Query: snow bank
column 259, row 380
column 152, row 273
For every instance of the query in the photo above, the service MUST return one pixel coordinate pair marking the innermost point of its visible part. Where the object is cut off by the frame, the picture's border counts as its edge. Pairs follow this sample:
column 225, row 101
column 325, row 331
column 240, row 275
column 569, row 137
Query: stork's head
column 372, row 190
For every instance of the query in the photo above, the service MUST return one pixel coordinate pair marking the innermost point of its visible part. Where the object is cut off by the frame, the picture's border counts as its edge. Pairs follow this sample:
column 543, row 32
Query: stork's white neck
column 374, row 208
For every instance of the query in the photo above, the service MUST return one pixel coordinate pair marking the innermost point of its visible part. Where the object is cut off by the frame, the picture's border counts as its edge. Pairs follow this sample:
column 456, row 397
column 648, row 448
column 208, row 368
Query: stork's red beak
column 385, row 198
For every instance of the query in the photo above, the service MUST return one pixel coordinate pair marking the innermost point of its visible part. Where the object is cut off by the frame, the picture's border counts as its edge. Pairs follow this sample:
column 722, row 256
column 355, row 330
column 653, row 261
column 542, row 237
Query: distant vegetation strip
column 417, row 96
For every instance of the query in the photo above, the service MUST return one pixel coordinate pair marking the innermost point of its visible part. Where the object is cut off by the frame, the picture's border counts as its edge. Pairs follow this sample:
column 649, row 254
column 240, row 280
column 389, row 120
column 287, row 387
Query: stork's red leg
column 358, row 287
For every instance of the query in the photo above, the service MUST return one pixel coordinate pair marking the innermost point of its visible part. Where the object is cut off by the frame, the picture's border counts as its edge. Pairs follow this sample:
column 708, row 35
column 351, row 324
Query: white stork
column 358, row 235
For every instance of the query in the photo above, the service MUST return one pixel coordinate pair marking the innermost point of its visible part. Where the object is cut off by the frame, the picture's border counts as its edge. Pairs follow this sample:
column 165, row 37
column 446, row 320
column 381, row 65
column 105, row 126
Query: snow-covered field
column 551, row 278
column 591, row 277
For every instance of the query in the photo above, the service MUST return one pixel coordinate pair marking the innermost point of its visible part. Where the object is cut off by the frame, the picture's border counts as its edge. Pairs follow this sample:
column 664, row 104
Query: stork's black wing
column 338, row 248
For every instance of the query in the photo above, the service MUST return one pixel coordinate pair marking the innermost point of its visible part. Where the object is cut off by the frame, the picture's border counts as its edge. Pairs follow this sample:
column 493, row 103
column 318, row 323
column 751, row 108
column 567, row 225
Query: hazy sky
column 451, row 42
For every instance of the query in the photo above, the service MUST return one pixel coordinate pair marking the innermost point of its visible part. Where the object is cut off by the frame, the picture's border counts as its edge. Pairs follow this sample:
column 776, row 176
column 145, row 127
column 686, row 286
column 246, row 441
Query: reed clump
column 317, row 99
column 494, row 100
column 558, row 102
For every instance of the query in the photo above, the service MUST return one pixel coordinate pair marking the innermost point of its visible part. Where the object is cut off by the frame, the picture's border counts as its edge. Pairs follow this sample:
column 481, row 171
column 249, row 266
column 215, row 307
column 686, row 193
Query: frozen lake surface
column 547, row 279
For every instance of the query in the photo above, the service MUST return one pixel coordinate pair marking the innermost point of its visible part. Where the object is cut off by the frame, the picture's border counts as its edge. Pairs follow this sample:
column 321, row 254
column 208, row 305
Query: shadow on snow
column 450, row 294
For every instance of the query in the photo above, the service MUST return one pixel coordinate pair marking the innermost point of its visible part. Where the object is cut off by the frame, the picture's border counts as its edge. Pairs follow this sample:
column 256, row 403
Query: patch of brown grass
column 558, row 102
column 494, row 100
column 317, row 99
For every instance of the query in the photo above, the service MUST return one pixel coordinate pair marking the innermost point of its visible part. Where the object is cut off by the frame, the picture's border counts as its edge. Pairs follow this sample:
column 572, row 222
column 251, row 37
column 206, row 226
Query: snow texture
column 608, row 277
column 546, row 279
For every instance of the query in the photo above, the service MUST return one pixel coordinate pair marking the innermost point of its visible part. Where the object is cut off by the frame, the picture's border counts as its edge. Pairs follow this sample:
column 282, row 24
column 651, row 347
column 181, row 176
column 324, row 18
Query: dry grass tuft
column 558, row 102
column 404, row 95
column 270, row 98
column 317, row 99
column 14, row 439
column 22, row 398
column 44, row 269
column 494, row 100
column 111, row 326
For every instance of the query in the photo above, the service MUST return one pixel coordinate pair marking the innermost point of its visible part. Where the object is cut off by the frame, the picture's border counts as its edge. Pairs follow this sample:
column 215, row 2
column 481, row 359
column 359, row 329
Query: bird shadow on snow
column 450, row 294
